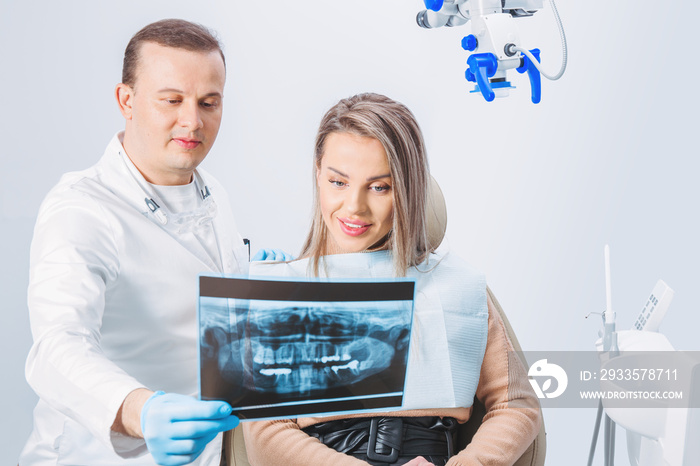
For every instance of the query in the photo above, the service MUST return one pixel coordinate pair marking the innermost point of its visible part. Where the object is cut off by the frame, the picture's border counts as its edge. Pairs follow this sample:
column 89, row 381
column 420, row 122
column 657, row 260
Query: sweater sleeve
column 283, row 442
column 512, row 419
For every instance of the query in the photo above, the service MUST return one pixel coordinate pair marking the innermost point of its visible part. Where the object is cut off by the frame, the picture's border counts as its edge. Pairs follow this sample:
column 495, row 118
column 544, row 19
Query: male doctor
column 113, row 271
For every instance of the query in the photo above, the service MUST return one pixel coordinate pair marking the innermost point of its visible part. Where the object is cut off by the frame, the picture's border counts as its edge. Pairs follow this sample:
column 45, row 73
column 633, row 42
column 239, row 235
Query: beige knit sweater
column 511, row 423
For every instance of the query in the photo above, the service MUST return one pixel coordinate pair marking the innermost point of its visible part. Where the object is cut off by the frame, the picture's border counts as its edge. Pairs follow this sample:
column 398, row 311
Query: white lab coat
column 112, row 301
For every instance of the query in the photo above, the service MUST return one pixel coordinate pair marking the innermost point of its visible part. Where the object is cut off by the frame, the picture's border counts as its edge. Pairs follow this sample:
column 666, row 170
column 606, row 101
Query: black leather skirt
column 390, row 440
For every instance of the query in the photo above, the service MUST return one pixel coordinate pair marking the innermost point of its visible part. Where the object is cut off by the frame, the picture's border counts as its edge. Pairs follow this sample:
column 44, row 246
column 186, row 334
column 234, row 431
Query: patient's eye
column 380, row 188
column 336, row 183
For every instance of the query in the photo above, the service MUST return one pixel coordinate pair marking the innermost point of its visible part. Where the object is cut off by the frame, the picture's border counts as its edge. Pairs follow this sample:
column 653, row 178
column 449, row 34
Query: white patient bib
column 450, row 321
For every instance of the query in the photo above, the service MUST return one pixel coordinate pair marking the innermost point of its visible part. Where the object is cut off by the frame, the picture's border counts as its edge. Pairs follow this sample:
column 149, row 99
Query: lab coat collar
column 126, row 181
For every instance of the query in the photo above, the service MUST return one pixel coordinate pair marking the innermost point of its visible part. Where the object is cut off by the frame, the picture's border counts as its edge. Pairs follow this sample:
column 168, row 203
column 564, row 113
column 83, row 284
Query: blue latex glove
column 272, row 255
column 178, row 427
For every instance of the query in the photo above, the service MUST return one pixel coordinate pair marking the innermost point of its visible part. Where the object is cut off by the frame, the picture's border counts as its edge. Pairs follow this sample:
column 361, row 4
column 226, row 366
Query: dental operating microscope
column 494, row 43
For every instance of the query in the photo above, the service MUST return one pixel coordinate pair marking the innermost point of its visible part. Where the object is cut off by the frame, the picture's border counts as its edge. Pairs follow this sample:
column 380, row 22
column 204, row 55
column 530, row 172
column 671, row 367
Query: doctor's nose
column 190, row 116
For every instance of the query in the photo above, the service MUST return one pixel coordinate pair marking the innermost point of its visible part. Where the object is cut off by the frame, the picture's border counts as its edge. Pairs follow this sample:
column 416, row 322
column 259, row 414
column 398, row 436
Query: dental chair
column 534, row 455
column 234, row 445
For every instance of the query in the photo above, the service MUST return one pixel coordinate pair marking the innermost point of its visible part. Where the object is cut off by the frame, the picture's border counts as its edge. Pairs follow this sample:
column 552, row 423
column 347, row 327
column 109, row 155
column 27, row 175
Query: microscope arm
column 494, row 39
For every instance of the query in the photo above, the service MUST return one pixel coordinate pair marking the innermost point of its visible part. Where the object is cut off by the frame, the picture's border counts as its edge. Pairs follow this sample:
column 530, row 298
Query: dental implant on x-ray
column 494, row 42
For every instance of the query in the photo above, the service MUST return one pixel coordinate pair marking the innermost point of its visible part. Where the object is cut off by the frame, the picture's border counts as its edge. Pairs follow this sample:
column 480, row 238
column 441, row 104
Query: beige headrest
column 435, row 214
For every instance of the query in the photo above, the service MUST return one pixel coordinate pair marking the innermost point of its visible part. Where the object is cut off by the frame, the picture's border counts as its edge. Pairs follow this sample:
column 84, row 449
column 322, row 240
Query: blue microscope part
column 534, row 75
column 470, row 43
column 434, row 5
column 481, row 67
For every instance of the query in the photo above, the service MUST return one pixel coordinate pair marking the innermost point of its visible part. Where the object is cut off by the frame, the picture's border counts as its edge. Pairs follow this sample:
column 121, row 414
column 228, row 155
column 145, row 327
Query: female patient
column 371, row 177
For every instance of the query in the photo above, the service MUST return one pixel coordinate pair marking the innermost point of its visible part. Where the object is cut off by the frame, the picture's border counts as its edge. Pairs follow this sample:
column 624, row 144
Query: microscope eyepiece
column 422, row 19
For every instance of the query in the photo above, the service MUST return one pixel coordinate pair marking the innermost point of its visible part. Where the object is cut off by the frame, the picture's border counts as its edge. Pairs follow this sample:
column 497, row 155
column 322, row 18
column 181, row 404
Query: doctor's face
column 172, row 112
column 355, row 192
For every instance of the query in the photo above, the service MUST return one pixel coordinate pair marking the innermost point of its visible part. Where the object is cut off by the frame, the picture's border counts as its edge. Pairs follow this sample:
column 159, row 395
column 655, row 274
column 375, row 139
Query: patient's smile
column 353, row 229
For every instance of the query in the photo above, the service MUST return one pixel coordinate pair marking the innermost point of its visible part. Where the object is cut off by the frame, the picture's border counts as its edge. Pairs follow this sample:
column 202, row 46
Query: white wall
column 534, row 192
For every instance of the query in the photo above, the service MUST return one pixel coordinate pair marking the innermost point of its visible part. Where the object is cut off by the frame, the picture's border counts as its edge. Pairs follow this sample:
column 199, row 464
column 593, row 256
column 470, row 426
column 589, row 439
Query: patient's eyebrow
column 338, row 172
column 371, row 178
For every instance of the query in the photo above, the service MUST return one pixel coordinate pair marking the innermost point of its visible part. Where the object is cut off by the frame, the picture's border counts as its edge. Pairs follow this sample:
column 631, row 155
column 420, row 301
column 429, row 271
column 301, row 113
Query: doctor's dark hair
column 394, row 126
column 175, row 33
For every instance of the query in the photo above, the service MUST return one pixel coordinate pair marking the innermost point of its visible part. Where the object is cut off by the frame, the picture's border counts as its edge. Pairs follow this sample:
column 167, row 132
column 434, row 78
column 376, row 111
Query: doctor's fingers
column 280, row 255
column 261, row 255
column 272, row 255
column 176, row 459
column 188, row 449
column 199, row 430
column 189, row 409
column 182, row 442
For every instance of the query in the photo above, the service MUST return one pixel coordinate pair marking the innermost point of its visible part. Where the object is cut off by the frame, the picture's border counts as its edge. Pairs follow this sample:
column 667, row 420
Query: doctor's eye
column 209, row 104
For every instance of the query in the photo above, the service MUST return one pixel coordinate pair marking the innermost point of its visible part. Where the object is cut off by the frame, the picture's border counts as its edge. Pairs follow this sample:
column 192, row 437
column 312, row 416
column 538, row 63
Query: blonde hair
column 395, row 127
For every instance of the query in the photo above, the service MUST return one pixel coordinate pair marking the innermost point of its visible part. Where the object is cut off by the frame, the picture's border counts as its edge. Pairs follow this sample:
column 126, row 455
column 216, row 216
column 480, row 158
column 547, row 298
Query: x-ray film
column 275, row 349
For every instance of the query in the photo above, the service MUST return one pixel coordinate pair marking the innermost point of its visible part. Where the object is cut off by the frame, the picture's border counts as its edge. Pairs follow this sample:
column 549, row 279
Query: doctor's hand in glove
column 178, row 427
column 272, row 255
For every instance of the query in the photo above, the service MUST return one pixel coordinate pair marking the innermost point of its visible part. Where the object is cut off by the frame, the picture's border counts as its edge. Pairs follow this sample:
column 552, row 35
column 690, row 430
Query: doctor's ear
column 125, row 97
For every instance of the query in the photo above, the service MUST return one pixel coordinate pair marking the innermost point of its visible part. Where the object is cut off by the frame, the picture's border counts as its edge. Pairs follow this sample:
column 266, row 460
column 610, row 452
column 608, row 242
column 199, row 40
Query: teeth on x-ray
column 295, row 353
column 311, row 348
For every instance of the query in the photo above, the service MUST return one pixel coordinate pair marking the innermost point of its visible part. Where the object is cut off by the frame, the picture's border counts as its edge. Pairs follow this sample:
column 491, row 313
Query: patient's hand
column 272, row 255
column 419, row 461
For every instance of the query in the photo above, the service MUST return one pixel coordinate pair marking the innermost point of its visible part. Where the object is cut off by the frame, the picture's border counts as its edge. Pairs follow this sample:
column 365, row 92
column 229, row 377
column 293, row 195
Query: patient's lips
column 353, row 227
column 303, row 349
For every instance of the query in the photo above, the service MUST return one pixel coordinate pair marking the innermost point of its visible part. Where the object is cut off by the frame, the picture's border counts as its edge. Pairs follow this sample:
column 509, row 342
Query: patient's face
column 355, row 190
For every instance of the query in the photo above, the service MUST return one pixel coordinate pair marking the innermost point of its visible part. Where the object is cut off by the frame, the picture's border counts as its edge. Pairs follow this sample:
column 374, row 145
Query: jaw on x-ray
column 262, row 352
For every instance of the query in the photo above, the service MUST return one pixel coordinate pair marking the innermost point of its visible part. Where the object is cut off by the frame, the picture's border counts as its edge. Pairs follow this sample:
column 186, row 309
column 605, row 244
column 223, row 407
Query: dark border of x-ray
column 314, row 290
column 305, row 290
